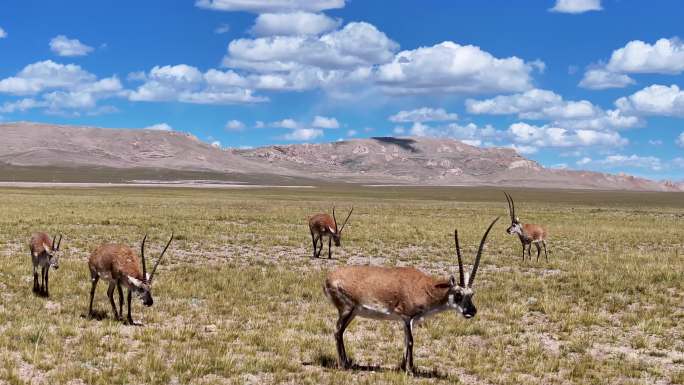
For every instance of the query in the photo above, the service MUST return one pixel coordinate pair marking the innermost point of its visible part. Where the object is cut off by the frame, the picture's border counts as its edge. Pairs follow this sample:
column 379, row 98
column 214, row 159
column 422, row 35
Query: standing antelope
column 527, row 232
column 43, row 254
column 321, row 225
column 403, row 294
column 119, row 265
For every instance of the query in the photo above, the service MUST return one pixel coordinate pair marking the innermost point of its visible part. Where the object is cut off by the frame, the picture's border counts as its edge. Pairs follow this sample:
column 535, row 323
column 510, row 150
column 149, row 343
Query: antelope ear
column 134, row 281
column 47, row 248
column 147, row 277
column 331, row 230
column 446, row 285
column 517, row 219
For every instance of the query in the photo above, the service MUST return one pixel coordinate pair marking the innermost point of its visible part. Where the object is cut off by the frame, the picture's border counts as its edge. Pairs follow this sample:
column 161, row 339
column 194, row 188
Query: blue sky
column 582, row 84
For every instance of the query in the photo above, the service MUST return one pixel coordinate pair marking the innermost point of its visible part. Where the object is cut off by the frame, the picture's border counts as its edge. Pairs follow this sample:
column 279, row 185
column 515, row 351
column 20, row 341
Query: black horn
column 334, row 218
column 160, row 258
column 511, row 206
column 345, row 221
column 461, row 276
column 59, row 242
column 142, row 257
column 479, row 253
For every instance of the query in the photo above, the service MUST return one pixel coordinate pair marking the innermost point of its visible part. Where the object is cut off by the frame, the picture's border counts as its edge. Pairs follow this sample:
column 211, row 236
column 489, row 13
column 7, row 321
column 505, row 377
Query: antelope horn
column 479, row 253
column 52, row 248
column 461, row 279
column 60, row 242
column 142, row 257
column 511, row 206
column 334, row 218
column 160, row 258
column 345, row 221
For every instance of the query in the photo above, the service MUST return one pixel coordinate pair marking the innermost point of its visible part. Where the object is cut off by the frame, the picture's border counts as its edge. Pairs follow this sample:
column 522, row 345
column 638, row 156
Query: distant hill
column 32, row 151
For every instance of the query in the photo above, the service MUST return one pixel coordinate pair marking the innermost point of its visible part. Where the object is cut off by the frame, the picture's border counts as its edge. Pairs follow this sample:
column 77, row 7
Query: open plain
column 239, row 299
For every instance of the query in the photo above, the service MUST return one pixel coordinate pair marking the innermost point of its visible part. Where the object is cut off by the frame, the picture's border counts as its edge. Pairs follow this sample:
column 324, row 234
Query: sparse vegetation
column 239, row 300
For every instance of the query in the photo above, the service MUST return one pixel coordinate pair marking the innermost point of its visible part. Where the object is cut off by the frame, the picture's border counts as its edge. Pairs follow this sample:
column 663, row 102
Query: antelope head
column 460, row 296
column 144, row 289
column 51, row 251
column 337, row 232
column 516, row 226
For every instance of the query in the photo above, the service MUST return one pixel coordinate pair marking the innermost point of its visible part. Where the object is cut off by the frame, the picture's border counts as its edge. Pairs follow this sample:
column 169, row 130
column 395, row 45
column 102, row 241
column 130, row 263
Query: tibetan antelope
column 321, row 225
column 119, row 265
column 403, row 294
column 43, row 255
column 527, row 232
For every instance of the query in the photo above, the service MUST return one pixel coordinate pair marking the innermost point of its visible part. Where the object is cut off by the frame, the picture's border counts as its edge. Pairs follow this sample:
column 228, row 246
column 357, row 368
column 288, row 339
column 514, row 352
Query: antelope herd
column 402, row 294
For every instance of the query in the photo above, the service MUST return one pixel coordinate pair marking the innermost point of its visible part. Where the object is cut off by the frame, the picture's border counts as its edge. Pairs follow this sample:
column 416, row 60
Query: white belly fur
column 377, row 312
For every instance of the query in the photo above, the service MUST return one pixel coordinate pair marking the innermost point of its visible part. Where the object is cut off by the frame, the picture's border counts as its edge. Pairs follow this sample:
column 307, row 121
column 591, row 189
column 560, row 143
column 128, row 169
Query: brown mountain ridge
column 134, row 153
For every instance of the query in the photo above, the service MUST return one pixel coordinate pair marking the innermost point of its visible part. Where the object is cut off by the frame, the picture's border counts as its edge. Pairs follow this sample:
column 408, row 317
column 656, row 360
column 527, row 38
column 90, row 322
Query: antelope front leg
column 320, row 248
column 121, row 298
column 523, row 251
column 94, row 278
column 407, row 362
column 329, row 247
column 538, row 250
column 42, row 280
column 129, row 318
column 36, row 288
column 545, row 253
column 47, row 286
column 110, row 294
column 342, row 322
column 313, row 240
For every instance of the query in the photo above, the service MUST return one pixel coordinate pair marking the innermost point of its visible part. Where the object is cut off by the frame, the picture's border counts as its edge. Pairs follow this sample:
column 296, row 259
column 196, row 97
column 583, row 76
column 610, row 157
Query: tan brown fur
column 528, row 233
column 534, row 232
column 323, row 225
column 37, row 242
column 43, row 256
column 121, row 266
column 116, row 260
column 403, row 294
column 406, row 291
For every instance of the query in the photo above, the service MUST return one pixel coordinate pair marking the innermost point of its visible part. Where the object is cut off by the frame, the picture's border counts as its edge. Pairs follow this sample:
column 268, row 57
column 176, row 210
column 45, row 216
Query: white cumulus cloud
column 3, row 34
column 159, row 127
column 63, row 46
column 187, row 84
column 665, row 56
column 324, row 122
column 550, row 136
column 295, row 23
column 448, row 67
column 654, row 100
column 263, row 6
column 234, row 125
column 680, row 139
column 63, row 86
column 601, row 79
column 303, row 134
column 424, row 114
column 620, row 161
column 576, row 6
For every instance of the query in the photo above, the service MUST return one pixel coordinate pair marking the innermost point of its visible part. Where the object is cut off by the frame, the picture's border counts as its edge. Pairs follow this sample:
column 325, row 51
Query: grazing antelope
column 527, row 232
column 403, row 294
column 119, row 265
column 321, row 225
column 43, row 254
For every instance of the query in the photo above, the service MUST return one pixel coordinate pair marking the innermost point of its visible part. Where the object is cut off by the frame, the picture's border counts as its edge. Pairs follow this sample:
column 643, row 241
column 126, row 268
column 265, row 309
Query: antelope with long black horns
column 120, row 266
column 322, row 225
column 527, row 232
column 402, row 294
column 44, row 256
